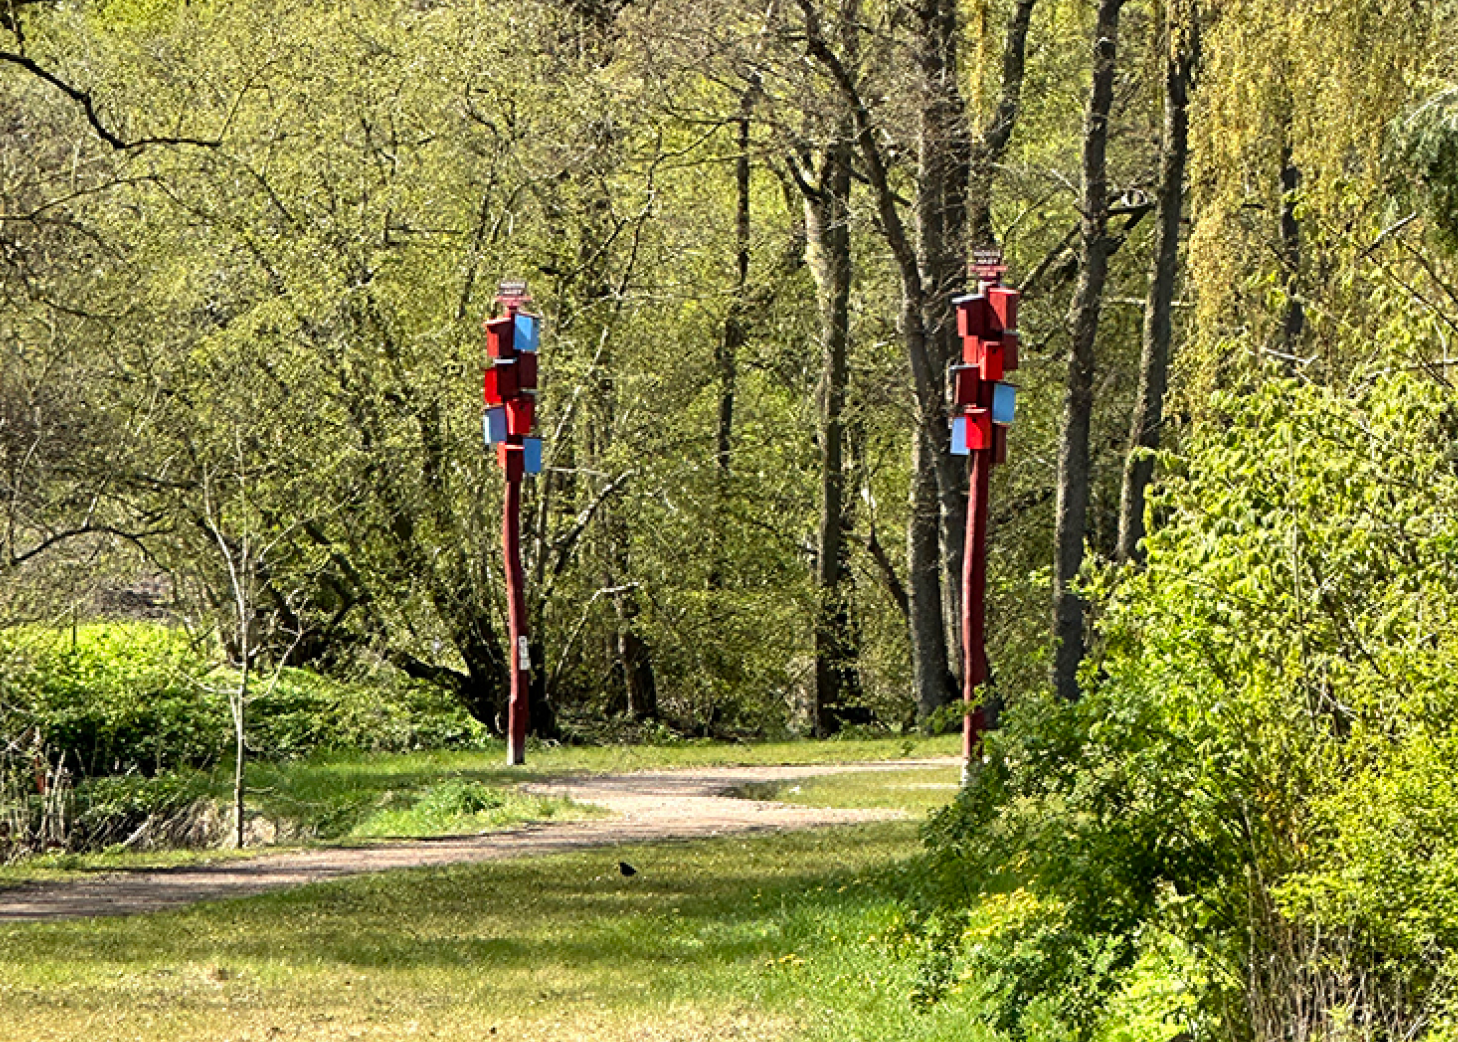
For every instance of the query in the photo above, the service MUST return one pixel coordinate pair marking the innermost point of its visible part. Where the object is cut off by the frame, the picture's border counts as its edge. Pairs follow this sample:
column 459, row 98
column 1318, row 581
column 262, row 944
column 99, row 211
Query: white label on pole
column 523, row 654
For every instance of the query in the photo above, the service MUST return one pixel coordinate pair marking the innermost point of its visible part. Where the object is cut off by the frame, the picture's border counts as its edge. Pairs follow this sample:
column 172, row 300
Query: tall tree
column 827, row 227
column 930, row 261
column 1182, row 44
column 1083, row 323
column 943, row 169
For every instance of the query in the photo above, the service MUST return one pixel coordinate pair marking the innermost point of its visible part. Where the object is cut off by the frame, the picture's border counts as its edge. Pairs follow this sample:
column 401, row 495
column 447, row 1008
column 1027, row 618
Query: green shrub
column 112, row 698
column 141, row 698
column 305, row 711
column 110, row 811
column 1263, row 767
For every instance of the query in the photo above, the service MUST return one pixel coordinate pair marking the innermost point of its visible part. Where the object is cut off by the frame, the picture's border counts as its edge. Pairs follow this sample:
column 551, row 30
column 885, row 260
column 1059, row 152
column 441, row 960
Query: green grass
column 351, row 795
column 917, row 790
column 765, row 938
column 463, row 807
column 334, row 795
column 799, row 937
column 53, row 867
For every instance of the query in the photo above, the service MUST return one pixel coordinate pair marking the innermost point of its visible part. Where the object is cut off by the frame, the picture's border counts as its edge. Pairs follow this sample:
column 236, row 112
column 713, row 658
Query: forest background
column 245, row 252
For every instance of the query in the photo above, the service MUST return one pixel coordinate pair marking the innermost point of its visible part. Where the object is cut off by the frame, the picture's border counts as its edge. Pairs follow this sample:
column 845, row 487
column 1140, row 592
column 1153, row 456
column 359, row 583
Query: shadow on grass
column 689, row 908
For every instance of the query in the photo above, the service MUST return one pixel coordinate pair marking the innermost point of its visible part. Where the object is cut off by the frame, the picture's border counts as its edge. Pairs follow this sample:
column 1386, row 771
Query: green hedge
column 142, row 698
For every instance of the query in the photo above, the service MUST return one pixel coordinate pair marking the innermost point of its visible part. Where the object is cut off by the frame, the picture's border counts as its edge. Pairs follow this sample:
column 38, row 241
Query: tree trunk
column 727, row 355
column 633, row 652
column 828, row 248
column 732, row 340
column 944, row 150
column 1294, row 323
column 1083, row 321
column 940, row 482
column 239, row 706
column 935, row 685
column 990, row 147
column 1183, row 53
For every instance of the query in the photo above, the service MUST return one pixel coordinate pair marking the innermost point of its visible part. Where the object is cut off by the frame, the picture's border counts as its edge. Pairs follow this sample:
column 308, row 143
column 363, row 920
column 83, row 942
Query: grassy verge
column 488, row 764
column 768, row 938
column 916, row 790
column 351, row 796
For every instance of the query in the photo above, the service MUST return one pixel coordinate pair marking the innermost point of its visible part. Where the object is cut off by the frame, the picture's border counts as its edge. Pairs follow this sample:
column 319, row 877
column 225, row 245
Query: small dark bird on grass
column 627, row 869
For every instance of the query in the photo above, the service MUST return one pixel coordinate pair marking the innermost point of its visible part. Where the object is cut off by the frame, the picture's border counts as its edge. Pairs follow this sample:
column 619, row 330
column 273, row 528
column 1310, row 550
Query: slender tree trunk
column 734, row 337
column 1183, row 53
column 634, row 653
column 239, row 706
column 1294, row 323
column 992, row 144
column 827, row 226
column 636, row 659
column 933, row 681
column 1083, row 321
column 726, row 358
column 631, row 650
column 943, row 163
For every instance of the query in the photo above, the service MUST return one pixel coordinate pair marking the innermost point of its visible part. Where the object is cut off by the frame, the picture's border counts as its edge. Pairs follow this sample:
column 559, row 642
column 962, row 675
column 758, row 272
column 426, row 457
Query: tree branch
column 894, row 587
column 563, row 546
column 14, row 560
column 88, row 107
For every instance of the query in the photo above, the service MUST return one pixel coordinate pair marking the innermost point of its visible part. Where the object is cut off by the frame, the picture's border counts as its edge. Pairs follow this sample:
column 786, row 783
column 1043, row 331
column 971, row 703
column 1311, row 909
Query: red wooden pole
column 518, row 656
column 974, row 600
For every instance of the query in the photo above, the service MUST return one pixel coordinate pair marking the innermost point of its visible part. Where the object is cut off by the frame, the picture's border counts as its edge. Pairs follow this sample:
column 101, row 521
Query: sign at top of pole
column 512, row 292
column 987, row 266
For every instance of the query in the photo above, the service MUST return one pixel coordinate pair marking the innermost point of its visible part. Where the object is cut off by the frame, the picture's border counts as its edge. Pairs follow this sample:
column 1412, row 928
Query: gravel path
column 647, row 806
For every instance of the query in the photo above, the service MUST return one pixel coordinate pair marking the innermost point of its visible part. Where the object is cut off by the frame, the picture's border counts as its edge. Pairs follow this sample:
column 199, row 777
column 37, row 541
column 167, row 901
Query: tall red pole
column 974, row 600
column 518, row 649
column 987, row 323
column 508, row 423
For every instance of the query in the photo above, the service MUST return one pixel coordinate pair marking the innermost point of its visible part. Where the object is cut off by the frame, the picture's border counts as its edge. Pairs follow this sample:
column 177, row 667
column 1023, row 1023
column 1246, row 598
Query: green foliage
column 112, row 698
column 112, row 810
column 307, row 711
column 1262, row 763
column 124, row 698
column 1426, row 140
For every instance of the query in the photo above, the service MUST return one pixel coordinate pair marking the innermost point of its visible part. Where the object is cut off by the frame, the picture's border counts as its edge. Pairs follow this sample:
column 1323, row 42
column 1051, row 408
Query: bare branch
column 14, row 560
column 563, row 546
column 886, row 569
column 88, row 107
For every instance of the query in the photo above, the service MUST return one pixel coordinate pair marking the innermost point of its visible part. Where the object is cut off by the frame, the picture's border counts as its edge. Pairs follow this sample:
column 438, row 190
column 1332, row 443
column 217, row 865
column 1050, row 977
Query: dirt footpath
column 658, row 805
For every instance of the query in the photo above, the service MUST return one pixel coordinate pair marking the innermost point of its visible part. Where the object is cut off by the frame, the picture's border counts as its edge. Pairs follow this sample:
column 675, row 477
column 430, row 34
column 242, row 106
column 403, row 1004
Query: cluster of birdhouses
column 511, row 393
column 982, row 403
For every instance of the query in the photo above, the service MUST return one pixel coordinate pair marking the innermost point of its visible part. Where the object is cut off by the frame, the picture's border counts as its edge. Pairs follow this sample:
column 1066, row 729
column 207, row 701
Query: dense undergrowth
column 1258, row 787
column 115, row 737
column 118, row 734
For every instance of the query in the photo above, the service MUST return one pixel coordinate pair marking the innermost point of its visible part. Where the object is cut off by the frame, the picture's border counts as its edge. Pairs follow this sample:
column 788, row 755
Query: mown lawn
column 345, row 794
column 778, row 937
column 353, row 796
column 916, row 790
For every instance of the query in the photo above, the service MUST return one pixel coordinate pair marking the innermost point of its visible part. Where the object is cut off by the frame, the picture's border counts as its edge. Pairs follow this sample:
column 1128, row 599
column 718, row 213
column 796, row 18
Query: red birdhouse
column 974, row 316
column 501, row 381
column 520, row 412
column 499, row 340
column 1004, row 304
